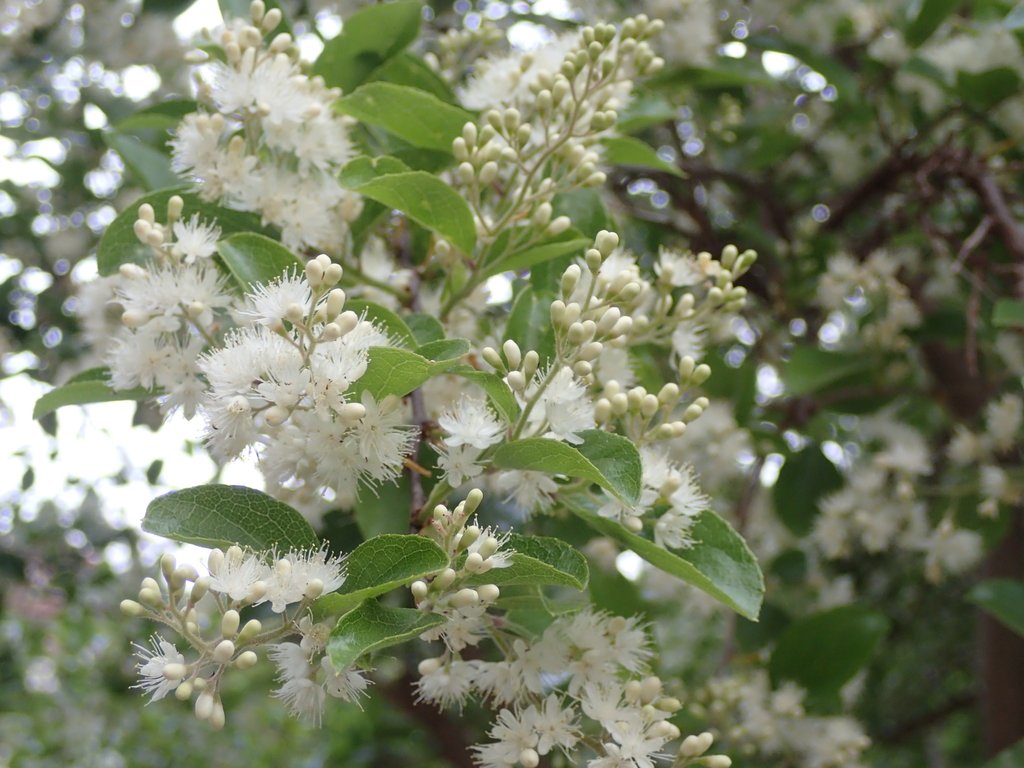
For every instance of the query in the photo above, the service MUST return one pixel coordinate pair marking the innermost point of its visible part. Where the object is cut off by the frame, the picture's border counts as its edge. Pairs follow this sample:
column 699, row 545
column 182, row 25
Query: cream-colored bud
column 346, row 321
column 634, row 524
column 620, row 403
column 466, row 173
column 473, row 562
column 335, row 302
column 204, row 705
column 472, row 501
column 488, row 173
column 717, row 761
column 429, row 666
column 488, row 592
column 469, row 535
column 469, row 134
column 460, row 150
column 271, row 20
column 314, row 272
column 602, row 410
column 631, row 691
column 558, row 226
column 668, row 704
column 488, row 547
column 146, row 213
column 590, row 351
column 516, row 381
column 570, row 279
column 444, row 579
column 512, row 354
column 606, row 242
column 650, row 689
column 251, row 628
column 669, row 394
column 246, row 660
column 649, row 406
column 223, row 652
column 183, row 692
column 314, row 589
column 529, row 758
column 275, row 415
column 582, row 368
column 557, row 312
column 531, row 361
column 132, row 608
column 174, row 671
column 464, row 598
column 229, row 623
column 700, row 374
column 133, row 318
column 142, row 229
column 492, row 358
column 419, row 590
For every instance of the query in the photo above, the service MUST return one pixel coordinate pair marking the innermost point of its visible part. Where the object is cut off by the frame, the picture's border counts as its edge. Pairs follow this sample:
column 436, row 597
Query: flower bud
column 229, row 623
column 488, row 592
column 224, row 651
column 131, row 608
column 246, row 660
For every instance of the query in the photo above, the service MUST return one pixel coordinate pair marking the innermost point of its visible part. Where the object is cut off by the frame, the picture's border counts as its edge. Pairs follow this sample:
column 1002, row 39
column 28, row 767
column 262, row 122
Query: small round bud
column 224, row 651
column 275, row 415
column 246, row 660
column 204, row 705
column 558, row 226
column 229, row 623
column 252, row 628
column 131, row 608
column 606, row 242
column 429, row 666
column 465, row 598
column 473, row 562
column 717, row 761
column 516, row 381
column 512, row 354
column 174, row 671
column 492, row 358
column 488, row 592
column 529, row 758
column 183, row 692
column 444, row 579
column 314, row 272
column 419, row 590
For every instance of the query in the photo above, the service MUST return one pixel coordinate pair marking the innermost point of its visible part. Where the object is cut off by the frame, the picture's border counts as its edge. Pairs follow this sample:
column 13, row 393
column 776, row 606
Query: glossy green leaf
column 221, row 515
column 393, row 371
column 803, row 480
column 385, row 319
column 425, row 328
column 534, row 255
column 984, row 90
column 930, row 14
column 422, row 197
column 540, row 560
column 384, row 509
column 91, row 386
column 645, row 111
column 368, row 39
column 810, row 369
column 625, row 150
column 382, row 564
column 373, row 626
column 254, row 259
column 150, row 167
column 415, row 116
column 408, row 69
column 719, row 563
column 1004, row 599
column 822, row 652
column 610, row 461
column 119, row 245
column 445, row 350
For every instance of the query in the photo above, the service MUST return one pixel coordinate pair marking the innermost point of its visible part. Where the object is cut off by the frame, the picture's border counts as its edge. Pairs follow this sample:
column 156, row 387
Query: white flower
column 384, row 438
column 565, row 405
column 672, row 530
column 269, row 304
column 555, row 725
column 448, row 684
column 235, row 574
column 304, row 699
column 293, row 575
column 346, row 685
column 527, row 489
column 688, row 340
column 459, row 464
column 194, row 239
column 1003, row 420
column 291, row 660
column 513, row 732
column 470, row 422
column 152, row 664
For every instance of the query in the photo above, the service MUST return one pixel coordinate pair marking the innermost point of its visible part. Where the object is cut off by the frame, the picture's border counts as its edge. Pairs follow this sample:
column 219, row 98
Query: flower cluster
column 768, row 724
column 217, row 639
column 270, row 142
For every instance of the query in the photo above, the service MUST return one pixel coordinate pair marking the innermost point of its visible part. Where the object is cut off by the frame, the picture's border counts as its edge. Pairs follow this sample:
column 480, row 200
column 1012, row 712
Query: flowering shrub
column 490, row 322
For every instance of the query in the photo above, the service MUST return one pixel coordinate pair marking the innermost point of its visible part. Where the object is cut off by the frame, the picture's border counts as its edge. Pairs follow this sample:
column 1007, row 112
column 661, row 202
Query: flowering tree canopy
column 622, row 390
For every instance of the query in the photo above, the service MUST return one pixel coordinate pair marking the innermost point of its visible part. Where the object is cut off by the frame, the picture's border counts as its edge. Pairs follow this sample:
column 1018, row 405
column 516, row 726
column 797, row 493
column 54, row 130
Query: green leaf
column 1008, row 313
column 256, row 259
column 529, row 323
column 537, row 254
column 803, row 480
column 416, row 116
column 810, row 369
column 382, row 564
column 385, row 319
column 495, row 388
column 150, row 167
column 610, row 461
column 644, row 112
column 930, row 15
column 221, row 515
column 822, row 652
column 119, row 245
column 1004, row 599
column 625, row 150
column 373, row 626
column 540, row 560
column 425, row 328
column 586, row 209
column 384, row 509
column 392, row 371
column 445, row 350
column 90, row 386
column 422, row 197
column 162, row 116
column 409, row 69
column 984, row 90
column 368, row 39
column 719, row 563
column 362, row 169
column 724, row 74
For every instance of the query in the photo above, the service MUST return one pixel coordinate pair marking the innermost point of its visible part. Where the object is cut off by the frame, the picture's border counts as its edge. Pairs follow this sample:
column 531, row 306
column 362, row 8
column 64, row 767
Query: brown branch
column 978, row 175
